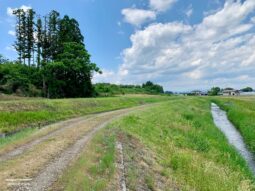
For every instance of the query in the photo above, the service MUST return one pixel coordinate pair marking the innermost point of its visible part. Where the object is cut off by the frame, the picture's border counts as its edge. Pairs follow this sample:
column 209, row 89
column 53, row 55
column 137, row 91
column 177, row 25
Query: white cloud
column 106, row 77
column 218, row 51
column 189, row 11
column 11, row 32
column 10, row 11
column 161, row 5
column 138, row 17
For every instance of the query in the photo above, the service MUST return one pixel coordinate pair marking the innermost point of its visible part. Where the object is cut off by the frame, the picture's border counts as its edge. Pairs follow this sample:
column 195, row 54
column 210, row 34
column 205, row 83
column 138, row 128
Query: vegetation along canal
column 232, row 134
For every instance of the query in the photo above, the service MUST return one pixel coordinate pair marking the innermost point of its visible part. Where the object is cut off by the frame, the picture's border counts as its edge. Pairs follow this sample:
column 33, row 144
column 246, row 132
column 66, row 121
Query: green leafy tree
column 70, row 31
column 247, row 89
column 2, row 59
column 63, row 67
column 150, row 87
column 214, row 91
column 79, row 70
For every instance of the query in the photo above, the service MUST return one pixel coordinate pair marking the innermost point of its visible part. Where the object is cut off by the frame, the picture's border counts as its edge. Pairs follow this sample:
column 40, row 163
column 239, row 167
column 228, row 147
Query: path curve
column 54, row 168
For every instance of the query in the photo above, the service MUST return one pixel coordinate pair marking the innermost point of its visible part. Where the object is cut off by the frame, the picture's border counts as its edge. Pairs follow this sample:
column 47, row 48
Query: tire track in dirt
column 121, row 167
column 60, row 126
column 53, row 169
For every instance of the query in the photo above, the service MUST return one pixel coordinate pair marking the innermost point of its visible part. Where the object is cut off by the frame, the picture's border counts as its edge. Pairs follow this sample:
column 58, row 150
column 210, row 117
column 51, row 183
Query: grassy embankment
column 241, row 112
column 19, row 114
column 174, row 145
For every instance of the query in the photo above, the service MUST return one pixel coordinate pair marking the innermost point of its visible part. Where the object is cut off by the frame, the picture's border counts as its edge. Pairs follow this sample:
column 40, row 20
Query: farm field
column 171, row 143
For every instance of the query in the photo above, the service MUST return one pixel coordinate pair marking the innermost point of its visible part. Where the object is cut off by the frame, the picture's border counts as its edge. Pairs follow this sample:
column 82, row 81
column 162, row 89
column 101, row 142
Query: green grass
column 94, row 168
column 241, row 112
column 17, row 115
column 186, row 144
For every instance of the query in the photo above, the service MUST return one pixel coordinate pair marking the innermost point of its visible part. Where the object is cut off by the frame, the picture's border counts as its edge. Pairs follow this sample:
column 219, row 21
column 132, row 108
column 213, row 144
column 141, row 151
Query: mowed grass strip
column 17, row 115
column 94, row 169
column 191, row 151
column 241, row 112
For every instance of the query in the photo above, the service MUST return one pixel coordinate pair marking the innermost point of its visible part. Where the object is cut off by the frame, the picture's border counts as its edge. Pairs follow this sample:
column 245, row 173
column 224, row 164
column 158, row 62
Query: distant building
column 199, row 93
column 230, row 92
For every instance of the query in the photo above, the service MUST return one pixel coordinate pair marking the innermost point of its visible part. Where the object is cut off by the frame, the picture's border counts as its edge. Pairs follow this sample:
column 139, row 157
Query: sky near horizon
column 180, row 44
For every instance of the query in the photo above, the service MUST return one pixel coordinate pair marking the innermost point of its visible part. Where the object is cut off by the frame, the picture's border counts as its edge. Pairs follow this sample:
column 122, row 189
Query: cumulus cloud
column 106, row 77
column 161, row 5
column 138, row 17
column 217, row 51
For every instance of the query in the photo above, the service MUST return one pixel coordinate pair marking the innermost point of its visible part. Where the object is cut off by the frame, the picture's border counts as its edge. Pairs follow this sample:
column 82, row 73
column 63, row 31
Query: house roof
column 229, row 91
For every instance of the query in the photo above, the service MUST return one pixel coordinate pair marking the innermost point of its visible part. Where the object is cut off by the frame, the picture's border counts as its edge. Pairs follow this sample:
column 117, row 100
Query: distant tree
column 153, row 88
column 57, row 45
column 20, row 33
column 70, row 31
column 29, row 33
column 39, row 38
column 214, row 91
column 247, row 89
column 53, row 28
column 54, row 76
column 74, row 69
column 3, row 60
column 45, row 41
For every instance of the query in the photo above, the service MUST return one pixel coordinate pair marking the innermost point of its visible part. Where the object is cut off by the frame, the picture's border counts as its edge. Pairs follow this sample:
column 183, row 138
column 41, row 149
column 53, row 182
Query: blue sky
column 183, row 45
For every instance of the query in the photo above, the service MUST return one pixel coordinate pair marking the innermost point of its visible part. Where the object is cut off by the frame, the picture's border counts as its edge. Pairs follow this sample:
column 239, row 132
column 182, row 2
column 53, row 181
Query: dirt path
column 44, row 159
column 58, row 127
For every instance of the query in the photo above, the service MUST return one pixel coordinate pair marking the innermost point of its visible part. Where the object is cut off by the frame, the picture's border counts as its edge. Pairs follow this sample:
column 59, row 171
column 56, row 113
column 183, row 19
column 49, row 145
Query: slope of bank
column 173, row 146
column 19, row 114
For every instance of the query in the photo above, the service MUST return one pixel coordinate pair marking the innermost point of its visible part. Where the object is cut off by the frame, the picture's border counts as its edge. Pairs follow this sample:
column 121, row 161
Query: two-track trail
column 41, row 161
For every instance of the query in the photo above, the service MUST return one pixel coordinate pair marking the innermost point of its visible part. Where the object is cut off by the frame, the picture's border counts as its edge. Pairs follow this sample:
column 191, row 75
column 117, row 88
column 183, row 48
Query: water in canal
column 232, row 134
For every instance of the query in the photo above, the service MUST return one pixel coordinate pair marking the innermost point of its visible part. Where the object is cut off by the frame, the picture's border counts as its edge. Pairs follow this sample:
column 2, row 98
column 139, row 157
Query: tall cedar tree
column 53, row 27
column 63, row 68
column 70, row 31
column 19, row 43
column 39, row 40
column 30, row 35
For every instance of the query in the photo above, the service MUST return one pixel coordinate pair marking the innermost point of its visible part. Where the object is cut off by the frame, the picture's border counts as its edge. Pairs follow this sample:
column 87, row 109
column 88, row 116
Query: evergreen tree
column 53, row 27
column 29, row 35
column 70, row 31
column 45, row 41
column 20, row 33
column 63, row 68
column 39, row 41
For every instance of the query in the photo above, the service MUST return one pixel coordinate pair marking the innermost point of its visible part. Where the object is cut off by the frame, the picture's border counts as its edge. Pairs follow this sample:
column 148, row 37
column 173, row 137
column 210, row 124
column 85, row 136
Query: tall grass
column 241, row 112
column 187, row 146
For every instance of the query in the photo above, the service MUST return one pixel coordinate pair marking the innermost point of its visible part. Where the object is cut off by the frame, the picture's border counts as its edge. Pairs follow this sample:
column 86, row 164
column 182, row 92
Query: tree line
column 107, row 89
column 52, row 59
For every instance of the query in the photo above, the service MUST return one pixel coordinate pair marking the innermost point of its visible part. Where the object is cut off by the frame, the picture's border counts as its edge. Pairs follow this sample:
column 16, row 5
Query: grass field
column 173, row 146
column 241, row 112
column 19, row 114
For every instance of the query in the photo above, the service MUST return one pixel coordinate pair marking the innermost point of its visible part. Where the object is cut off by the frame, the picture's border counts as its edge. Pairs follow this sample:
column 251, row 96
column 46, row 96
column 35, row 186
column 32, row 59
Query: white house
column 230, row 92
